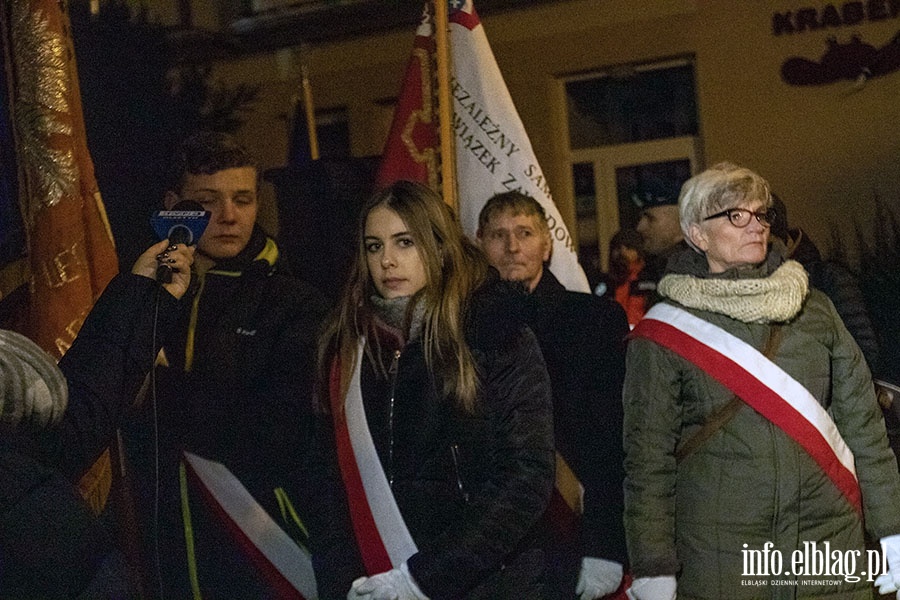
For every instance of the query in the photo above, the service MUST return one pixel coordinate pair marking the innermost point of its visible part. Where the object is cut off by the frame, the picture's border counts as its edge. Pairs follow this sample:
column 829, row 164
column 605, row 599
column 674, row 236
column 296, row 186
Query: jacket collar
column 548, row 285
column 261, row 252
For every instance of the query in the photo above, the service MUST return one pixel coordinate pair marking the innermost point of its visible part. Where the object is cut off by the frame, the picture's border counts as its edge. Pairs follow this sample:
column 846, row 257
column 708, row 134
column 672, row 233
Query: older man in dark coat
column 582, row 338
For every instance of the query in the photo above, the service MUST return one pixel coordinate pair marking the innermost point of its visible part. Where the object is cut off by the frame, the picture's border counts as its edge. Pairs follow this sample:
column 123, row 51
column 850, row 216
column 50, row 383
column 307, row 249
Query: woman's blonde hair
column 454, row 267
column 721, row 186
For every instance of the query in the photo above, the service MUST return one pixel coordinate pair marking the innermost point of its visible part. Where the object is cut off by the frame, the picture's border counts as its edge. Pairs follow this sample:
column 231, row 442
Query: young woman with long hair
column 435, row 452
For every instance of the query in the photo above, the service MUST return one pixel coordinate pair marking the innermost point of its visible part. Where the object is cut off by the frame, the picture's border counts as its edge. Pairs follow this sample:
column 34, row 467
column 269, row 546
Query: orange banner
column 70, row 245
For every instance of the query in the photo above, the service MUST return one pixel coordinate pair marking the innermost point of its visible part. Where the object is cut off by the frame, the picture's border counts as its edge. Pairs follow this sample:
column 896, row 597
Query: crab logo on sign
column 854, row 61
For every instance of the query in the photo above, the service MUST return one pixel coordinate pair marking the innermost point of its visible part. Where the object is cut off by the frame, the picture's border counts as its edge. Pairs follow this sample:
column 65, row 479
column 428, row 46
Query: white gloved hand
column 352, row 595
column 662, row 587
column 890, row 582
column 396, row 584
column 598, row 577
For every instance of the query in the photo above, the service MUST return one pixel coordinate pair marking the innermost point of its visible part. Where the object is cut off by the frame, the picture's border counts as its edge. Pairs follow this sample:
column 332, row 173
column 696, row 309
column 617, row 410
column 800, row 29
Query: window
column 632, row 104
column 627, row 125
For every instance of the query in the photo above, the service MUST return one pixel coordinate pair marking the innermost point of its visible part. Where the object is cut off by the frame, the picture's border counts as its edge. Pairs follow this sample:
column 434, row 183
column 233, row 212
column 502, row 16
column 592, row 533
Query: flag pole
column 308, row 106
column 445, row 108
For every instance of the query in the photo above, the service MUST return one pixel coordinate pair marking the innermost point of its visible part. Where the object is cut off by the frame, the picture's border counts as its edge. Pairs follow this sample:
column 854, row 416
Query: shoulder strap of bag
column 726, row 412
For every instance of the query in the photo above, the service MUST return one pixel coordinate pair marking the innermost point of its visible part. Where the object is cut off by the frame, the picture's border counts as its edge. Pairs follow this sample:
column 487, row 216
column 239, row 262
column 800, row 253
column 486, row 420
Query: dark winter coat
column 842, row 288
column 237, row 390
column 51, row 544
column 470, row 487
column 582, row 338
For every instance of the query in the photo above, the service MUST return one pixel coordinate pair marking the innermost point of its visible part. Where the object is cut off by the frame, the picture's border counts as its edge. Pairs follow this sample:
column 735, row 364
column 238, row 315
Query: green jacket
column 750, row 483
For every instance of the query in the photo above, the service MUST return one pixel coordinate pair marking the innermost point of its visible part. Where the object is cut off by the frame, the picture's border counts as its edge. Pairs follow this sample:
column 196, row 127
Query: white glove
column 890, row 582
column 598, row 577
column 661, row 587
column 396, row 584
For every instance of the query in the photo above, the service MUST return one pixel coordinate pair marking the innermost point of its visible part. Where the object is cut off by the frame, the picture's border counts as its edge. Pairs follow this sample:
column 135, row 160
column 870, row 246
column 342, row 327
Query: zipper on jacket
column 192, row 323
column 393, row 374
column 454, row 452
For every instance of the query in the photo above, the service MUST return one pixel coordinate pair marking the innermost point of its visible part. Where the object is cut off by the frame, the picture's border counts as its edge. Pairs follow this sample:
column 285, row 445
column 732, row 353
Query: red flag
column 411, row 151
column 493, row 152
column 70, row 244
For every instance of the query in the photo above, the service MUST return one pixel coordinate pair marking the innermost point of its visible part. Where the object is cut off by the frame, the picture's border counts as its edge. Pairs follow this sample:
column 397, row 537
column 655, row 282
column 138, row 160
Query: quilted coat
column 750, row 483
column 470, row 487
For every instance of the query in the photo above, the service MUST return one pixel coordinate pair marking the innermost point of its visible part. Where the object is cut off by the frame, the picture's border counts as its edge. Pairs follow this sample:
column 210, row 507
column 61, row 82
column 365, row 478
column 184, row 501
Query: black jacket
column 582, row 338
column 237, row 390
column 470, row 487
column 653, row 271
column 51, row 544
column 841, row 287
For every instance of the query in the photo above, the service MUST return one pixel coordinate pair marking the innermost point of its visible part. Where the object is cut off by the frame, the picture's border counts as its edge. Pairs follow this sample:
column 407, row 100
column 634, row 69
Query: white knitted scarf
column 776, row 298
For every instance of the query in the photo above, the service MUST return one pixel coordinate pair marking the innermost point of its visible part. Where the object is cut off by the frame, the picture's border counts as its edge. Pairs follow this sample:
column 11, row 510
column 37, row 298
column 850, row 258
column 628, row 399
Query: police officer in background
column 660, row 230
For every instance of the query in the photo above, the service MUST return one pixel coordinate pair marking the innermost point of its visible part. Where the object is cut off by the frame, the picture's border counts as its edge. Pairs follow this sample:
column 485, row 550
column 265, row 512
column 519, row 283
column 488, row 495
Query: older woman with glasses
column 756, row 455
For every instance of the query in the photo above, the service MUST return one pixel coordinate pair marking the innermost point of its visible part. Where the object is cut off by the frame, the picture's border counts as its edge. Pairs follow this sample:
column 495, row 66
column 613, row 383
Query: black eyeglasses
column 740, row 217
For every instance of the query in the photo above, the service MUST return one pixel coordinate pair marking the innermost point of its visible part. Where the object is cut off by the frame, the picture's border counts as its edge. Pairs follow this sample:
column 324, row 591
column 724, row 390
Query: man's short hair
column 205, row 153
column 516, row 203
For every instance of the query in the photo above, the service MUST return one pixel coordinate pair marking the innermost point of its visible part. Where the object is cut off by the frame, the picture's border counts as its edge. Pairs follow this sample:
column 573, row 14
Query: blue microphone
column 184, row 224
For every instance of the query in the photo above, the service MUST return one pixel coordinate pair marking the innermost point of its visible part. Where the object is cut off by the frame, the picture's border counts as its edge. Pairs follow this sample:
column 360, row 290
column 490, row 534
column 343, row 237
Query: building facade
column 803, row 91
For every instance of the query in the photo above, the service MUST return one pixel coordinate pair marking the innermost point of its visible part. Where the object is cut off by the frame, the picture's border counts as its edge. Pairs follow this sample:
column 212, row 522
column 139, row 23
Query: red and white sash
column 381, row 533
column 759, row 382
column 287, row 566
